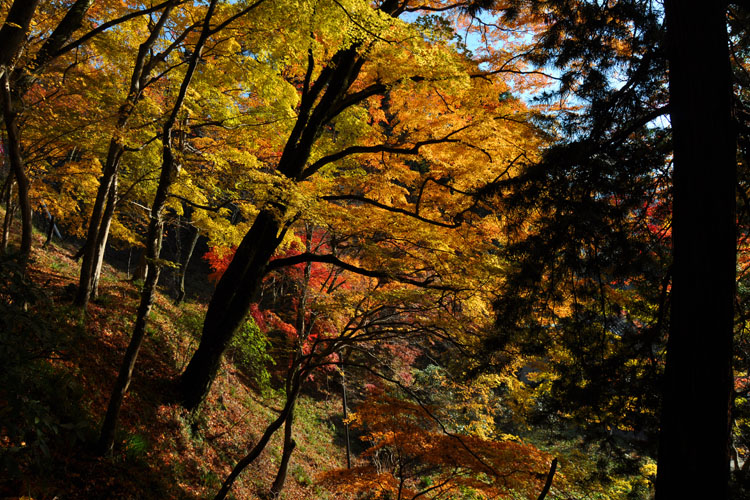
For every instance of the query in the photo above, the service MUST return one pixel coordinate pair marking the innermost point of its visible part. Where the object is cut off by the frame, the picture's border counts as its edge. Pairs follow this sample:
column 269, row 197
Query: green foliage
column 136, row 446
column 249, row 350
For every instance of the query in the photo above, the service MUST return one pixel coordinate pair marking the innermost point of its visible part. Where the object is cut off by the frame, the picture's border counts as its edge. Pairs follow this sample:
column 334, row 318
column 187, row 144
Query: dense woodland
column 388, row 249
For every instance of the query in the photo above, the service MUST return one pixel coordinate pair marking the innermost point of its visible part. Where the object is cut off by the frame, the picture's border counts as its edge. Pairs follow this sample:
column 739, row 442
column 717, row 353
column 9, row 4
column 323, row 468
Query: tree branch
column 388, row 208
column 379, row 148
column 104, row 27
column 333, row 260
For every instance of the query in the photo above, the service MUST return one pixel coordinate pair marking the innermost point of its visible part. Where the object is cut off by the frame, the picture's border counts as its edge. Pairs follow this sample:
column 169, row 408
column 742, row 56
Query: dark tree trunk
column 229, row 305
column 10, row 114
column 346, row 413
column 169, row 171
column 286, row 454
column 13, row 32
column 183, row 267
column 693, row 461
column 50, row 231
column 139, row 273
column 260, row 446
column 10, row 210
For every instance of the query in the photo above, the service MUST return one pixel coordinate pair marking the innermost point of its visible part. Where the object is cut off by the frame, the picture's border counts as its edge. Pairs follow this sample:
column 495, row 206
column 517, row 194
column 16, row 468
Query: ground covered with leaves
column 59, row 366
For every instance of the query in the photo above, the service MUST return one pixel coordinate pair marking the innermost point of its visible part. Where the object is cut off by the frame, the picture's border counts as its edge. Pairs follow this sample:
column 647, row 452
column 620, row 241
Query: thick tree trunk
column 183, row 267
column 13, row 32
column 229, row 305
column 241, row 280
column 693, row 461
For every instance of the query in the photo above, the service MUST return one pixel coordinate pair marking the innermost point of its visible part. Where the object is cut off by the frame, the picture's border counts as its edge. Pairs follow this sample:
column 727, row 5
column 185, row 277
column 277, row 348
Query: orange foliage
column 412, row 455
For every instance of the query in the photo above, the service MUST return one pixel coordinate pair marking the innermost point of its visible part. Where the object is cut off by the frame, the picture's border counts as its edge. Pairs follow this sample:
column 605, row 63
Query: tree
column 410, row 456
column 367, row 73
column 172, row 150
column 699, row 352
column 630, row 48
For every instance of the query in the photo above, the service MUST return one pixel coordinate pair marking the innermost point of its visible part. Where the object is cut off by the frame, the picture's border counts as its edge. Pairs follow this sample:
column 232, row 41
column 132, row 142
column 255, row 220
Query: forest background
column 392, row 249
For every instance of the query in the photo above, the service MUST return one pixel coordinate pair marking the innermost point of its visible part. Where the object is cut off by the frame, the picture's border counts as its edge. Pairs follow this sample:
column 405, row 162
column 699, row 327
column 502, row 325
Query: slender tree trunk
column 183, row 267
column 286, row 454
column 260, row 446
column 50, row 231
column 694, row 442
column 101, row 215
column 346, row 413
column 96, row 229
column 10, row 210
column 10, row 115
column 169, row 171
column 102, row 237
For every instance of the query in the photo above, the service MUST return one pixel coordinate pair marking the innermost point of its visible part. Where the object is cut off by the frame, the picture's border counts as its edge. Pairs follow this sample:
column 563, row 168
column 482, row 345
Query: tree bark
column 102, row 237
column 13, row 33
column 229, row 305
column 694, row 442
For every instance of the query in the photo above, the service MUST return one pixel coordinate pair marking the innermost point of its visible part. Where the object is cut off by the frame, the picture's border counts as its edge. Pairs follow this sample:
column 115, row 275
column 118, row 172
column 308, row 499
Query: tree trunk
column 101, row 215
column 139, row 273
column 10, row 114
column 10, row 210
column 102, row 237
column 229, row 305
column 260, row 446
column 694, row 442
column 96, row 229
column 346, row 413
column 13, row 32
column 183, row 267
column 169, row 171
column 242, row 279
column 286, row 454
column 50, row 231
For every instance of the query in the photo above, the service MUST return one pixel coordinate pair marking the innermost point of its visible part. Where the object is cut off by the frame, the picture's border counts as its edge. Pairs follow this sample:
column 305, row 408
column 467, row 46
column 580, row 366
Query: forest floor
column 54, row 402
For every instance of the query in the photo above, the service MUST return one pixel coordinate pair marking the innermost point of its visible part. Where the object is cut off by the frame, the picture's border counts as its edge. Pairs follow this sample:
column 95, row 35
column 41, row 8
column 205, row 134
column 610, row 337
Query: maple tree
column 357, row 106
column 410, row 456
